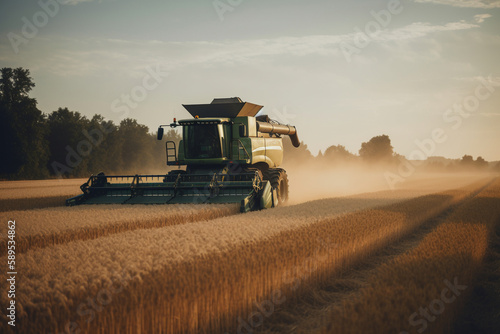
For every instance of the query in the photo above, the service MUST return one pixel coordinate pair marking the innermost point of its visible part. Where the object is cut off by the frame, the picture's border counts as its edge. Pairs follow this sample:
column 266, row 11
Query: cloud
column 421, row 29
column 92, row 56
column 465, row 3
column 75, row 2
column 322, row 45
column 480, row 18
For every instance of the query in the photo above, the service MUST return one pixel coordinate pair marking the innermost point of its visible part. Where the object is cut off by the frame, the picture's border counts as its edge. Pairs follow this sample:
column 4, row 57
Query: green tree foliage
column 106, row 152
column 81, row 147
column 135, row 146
column 65, row 143
column 377, row 149
column 22, row 127
column 68, row 153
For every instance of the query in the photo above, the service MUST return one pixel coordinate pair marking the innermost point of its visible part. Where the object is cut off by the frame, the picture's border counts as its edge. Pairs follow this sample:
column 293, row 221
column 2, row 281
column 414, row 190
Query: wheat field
column 452, row 253
column 63, row 224
column 209, row 269
column 21, row 195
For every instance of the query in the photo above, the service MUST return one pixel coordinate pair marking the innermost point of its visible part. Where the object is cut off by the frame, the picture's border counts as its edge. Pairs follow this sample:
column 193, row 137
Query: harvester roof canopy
column 224, row 108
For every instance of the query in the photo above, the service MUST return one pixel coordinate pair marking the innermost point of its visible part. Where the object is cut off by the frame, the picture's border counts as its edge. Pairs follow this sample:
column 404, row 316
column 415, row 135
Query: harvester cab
column 230, row 156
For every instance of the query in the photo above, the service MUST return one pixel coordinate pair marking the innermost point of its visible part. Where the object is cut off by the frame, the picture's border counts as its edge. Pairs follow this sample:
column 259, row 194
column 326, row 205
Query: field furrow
column 481, row 312
column 27, row 195
column 46, row 227
column 424, row 289
column 308, row 312
column 205, row 277
column 15, row 204
column 37, row 188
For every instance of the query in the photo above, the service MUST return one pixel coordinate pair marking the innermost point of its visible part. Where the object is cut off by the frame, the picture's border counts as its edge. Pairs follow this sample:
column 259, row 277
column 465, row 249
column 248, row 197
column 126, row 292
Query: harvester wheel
column 279, row 182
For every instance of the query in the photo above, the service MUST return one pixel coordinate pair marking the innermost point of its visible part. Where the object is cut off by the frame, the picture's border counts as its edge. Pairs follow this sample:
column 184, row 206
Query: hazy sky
column 341, row 71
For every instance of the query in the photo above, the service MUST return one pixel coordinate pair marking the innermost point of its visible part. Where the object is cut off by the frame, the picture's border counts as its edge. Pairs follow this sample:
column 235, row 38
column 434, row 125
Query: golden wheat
column 201, row 277
column 414, row 292
column 22, row 195
column 37, row 189
column 58, row 225
column 45, row 227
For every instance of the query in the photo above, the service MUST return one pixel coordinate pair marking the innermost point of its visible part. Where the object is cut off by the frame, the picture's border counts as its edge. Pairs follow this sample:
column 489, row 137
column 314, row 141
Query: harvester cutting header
column 231, row 156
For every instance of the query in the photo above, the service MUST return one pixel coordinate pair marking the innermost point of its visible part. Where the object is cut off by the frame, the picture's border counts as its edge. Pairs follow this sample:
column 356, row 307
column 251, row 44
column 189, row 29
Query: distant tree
column 106, row 152
column 69, row 149
column 377, row 149
column 338, row 154
column 467, row 161
column 437, row 163
column 22, row 130
column 136, row 146
column 481, row 163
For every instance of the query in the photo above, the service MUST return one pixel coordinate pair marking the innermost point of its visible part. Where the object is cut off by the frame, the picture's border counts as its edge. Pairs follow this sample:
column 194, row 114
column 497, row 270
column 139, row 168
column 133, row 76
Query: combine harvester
column 231, row 156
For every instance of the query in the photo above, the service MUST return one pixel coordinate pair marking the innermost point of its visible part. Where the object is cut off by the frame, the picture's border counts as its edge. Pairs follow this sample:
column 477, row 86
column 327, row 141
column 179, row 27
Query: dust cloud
column 309, row 182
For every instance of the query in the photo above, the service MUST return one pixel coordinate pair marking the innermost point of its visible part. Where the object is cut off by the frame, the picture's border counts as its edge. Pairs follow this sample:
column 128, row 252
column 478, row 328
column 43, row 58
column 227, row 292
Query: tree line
column 66, row 143
column 378, row 151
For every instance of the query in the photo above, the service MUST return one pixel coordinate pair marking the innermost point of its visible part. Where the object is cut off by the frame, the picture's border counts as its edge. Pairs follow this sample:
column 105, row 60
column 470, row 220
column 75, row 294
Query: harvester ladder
column 171, row 153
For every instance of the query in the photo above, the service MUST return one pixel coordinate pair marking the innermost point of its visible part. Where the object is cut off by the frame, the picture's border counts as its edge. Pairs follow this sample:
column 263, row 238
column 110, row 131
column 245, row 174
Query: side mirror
column 159, row 136
column 243, row 130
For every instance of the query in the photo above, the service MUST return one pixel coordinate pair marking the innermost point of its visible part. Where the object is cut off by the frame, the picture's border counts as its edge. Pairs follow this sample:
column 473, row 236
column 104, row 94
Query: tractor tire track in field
column 13, row 204
column 481, row 314
column 85, row 228
column 27, row 195
column 309, row 311
column 47, row 227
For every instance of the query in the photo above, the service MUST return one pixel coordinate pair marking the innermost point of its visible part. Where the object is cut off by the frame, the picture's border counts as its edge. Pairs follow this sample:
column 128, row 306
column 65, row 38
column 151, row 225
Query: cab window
column 203, row 142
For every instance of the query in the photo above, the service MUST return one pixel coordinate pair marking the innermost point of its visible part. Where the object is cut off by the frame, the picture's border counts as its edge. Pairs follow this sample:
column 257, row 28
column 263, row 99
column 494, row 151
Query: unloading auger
column 231, row 156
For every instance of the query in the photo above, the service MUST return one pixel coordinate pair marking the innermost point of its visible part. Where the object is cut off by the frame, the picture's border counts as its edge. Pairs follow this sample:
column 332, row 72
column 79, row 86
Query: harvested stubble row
column 21, row 195
column 186, row 278
column 12, row 204
column 37, row 188
column 425, row 288
column 46, row 227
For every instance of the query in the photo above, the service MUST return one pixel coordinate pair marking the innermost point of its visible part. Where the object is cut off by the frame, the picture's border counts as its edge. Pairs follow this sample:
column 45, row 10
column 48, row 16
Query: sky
column 424, row 72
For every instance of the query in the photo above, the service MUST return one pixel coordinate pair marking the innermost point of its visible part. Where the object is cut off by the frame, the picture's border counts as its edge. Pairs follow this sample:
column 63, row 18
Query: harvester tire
column 279, row 182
